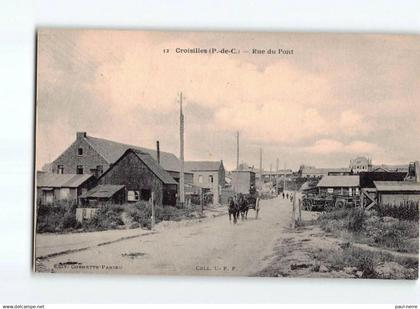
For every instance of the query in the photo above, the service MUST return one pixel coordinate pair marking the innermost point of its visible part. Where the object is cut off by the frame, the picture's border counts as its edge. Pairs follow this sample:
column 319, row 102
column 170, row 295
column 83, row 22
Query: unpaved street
column 211, row 247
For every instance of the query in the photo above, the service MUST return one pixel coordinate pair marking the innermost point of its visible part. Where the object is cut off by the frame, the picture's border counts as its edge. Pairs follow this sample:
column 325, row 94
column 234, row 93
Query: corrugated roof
column 154, row 166
column 397, row 186
column 111, row 151
column 61, row 180
column 103, row 191
column 203, row 165
column 339, row 181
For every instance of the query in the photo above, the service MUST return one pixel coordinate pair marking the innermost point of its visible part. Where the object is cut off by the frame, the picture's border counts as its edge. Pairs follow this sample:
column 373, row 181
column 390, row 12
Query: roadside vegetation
column 61, row 218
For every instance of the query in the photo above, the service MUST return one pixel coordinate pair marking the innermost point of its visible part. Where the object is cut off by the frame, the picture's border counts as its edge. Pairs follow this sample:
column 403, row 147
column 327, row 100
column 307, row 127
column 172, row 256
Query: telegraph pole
column 181, row 153
column 261, row 168
column 237, row 150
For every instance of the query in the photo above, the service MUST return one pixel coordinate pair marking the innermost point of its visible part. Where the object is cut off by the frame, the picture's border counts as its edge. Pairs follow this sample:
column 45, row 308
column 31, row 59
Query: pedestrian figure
column 283, row 195
column 257, row 206
column 287, row 195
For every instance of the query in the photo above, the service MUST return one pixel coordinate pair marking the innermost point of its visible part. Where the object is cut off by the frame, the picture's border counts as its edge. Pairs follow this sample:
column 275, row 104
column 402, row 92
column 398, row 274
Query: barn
column 141, row 175
column 53, row 188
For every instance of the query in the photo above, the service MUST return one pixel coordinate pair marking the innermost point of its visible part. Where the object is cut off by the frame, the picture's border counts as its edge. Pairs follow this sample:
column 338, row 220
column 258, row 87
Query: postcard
column 227, row 154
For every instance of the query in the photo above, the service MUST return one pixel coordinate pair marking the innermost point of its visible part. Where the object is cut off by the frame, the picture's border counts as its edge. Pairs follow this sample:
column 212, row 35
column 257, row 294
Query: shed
column 397, row 192
column 339, row 185
column 52, row 188
column 102, row 194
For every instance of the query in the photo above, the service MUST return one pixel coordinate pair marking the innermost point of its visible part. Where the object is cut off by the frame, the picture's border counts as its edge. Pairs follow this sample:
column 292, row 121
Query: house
column 243, row 181
column 53, row 188
column 142, row 176
column 339, row 185
column 397, row 192
column 360, row 164
column 208, row 175
column 103, row 194
column 92, row 155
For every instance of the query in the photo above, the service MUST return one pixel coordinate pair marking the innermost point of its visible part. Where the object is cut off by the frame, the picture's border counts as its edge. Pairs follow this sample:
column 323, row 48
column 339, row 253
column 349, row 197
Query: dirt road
column 212, row 247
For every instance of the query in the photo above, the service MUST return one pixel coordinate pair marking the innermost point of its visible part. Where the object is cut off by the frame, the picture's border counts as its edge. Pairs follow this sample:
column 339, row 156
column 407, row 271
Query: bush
column 57, row 218
column 356, row 219
column 106, row 217
column 408, row 210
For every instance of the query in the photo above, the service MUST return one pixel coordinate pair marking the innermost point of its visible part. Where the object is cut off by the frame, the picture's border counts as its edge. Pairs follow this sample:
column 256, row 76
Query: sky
column 336, row 97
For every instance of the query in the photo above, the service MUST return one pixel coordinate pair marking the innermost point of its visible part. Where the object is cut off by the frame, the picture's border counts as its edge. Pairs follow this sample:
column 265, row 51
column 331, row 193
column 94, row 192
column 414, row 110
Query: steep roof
column 111, row 151
column 397, row 186
column 367, row 178
column 203, row 165
column 60, row 180
column 149, row 162
column 103, row 191
column 339, row 181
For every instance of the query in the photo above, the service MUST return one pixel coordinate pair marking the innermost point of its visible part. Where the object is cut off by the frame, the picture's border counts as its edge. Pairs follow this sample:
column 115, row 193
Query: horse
column 233, row 210
column 243, row 207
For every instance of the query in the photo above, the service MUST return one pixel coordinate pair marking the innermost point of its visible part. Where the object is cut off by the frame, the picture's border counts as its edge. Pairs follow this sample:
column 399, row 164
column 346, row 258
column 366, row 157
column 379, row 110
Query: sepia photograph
column 257, row 154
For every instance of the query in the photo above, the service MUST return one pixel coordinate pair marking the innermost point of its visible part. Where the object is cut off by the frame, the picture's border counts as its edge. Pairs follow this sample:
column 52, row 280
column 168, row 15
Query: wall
column 70, row 159
column 396, row 199
column 135, row 175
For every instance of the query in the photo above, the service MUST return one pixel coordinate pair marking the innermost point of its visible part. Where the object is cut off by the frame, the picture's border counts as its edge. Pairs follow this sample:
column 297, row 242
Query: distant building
column 339, row 185
column 53, row 188
column 92, row 155
column 208, row 175
column 141, row 176
column 360, row 164
column 243, row 181
column 313, row 172
column 390, row 168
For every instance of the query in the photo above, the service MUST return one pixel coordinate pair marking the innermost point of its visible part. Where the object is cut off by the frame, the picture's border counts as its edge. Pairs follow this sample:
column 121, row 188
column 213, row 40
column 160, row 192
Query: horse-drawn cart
column 314, row 202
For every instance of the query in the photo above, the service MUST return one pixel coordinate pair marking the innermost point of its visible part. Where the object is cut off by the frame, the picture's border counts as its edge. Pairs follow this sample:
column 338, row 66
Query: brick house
column 92, row 155
column 208, row 175
column 141, row 175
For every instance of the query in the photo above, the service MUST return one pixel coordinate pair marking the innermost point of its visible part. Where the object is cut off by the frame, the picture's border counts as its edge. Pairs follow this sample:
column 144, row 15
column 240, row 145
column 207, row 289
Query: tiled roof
column 103, row 191
column 339, row 181
column 203, row 165
column 397, row 186
column 60, row 180
column 111, row 151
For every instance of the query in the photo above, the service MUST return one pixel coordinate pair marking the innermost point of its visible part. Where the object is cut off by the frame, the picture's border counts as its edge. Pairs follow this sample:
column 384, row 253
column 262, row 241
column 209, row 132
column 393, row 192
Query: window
column 211, row 178
column 80, row 151
column 200, row 178
column 79, row 169
column 145, row 194
column 60, row 169
column 330, row 190
column 99, row 170
column 133, row 196
column 350, row 192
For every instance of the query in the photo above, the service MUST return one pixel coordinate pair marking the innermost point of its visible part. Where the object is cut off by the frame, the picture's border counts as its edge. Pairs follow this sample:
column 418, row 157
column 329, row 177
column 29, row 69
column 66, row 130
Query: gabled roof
column 339, row 181
column 111, row 151
column 61, row 180
column 149, row 162
column 103, row 191
column 397, row 186
column 203, row 165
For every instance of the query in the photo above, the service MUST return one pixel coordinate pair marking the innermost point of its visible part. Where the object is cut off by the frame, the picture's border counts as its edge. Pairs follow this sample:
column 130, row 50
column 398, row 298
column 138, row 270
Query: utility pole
column 261, row 168
column 237, row 150
column 181, row 153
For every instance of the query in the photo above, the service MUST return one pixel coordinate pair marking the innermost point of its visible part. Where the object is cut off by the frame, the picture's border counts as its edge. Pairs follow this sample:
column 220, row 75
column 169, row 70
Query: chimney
column 158, row 152
column 80, row 135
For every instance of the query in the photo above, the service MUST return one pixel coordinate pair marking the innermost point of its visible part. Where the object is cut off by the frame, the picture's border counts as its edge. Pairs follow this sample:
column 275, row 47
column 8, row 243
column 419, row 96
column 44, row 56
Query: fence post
column 152, row 200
